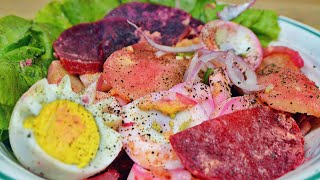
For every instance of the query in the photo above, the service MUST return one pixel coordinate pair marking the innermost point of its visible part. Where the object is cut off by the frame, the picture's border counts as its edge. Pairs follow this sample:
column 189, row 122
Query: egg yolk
column 66, row 131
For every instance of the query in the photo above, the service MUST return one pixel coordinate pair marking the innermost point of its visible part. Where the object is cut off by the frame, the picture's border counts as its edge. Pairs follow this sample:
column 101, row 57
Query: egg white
column 31, row 155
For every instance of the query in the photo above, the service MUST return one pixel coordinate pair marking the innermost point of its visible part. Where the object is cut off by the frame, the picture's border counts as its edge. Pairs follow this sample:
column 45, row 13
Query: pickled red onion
column 232, row 11
column 164, row 48
column 250, row 84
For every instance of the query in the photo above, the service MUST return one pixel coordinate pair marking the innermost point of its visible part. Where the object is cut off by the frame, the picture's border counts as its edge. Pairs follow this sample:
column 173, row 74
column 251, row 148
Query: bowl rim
column 290, row 21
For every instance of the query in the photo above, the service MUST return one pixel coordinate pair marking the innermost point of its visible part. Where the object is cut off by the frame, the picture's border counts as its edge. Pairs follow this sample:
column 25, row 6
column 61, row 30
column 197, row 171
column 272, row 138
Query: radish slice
column 232, row 11
column 221, row 35
column 163, row 48
column 238, row 79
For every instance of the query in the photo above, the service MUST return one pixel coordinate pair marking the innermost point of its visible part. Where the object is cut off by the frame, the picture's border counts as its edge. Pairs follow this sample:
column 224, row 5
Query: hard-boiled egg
column 59, row 134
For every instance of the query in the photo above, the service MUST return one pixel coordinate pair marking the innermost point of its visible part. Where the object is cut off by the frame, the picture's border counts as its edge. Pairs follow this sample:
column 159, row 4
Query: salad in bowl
column 157, row 90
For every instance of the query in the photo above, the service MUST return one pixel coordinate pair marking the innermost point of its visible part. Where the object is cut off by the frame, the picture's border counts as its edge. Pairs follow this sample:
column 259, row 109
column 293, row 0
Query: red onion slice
column 250, row 84
column 232, row 11
column 218, row 56
column 193, row 75
column 197, row 63
column 191, row 67
column 250, row 74
column 193, row 70
column 240, row 73
column 209, row 65
column 160, row 53
column 164, row 48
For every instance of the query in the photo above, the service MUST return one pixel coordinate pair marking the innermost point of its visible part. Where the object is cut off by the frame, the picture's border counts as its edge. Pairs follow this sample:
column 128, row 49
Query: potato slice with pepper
column 289, row 89
column 135, row 71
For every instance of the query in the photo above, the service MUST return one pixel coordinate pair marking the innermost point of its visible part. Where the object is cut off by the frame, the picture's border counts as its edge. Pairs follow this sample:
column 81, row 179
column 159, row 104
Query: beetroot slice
column 118, row 34
column 173, row 24
column 78, row 47
column 258, row 143
column 84, row 48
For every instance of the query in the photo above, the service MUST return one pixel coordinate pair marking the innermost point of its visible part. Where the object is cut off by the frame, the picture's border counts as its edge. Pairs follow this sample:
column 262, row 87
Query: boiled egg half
column 59, row 134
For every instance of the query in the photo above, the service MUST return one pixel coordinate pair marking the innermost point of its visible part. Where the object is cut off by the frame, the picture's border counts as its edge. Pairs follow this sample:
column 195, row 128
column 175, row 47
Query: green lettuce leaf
column 33, row 42
column 30, row 75
column 197, row 8
column 4, row 134
column 24, row 41
column 264, row 23
column 79, row 11
column 20, row 42
column 13, row 32
column 5, row 113
column 14, row 81
column 188, row 5
column 211, row 13
column 163, row 2
column 46, row 34
column 22, row 53
column 52, row 14
column 127, row 1
column 199, row 11
column 65, row 13
column 8, row 89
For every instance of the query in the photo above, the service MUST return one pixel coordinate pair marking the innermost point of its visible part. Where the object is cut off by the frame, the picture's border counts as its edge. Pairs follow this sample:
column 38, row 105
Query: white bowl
column 293, row 34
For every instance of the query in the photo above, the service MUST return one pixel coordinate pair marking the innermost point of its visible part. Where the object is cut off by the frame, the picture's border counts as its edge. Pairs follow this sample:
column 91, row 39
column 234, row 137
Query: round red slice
column 135, row 71
column 257, row 143
column 294, row 55
column 84, row 48
column 173, row 24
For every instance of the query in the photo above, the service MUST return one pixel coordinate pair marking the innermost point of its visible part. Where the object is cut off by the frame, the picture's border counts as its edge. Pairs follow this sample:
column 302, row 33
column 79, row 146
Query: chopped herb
column 207, row 74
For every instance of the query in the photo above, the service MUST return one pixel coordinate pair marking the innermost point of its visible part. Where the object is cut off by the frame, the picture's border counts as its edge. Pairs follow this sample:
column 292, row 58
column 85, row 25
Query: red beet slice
column 84, row 48
column 173, row 24
column 258, row 143
column 118, row 34
column 78, row 48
